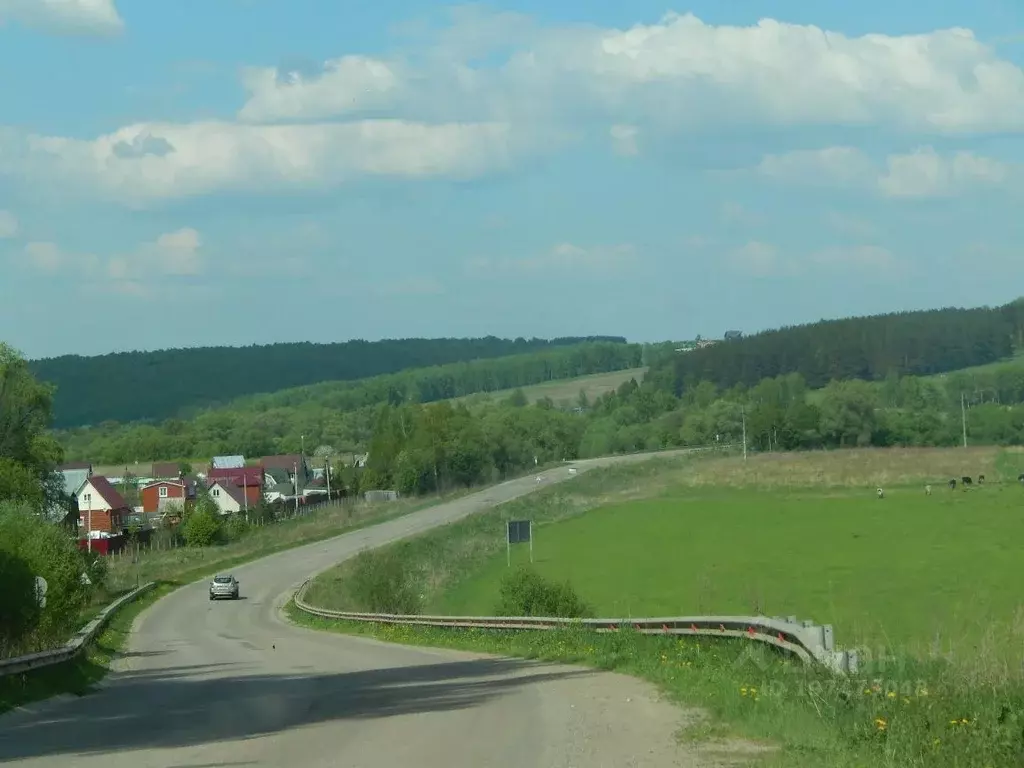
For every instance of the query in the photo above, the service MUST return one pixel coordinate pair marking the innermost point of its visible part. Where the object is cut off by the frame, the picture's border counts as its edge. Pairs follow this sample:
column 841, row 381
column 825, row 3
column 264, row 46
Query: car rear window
column 223, row 579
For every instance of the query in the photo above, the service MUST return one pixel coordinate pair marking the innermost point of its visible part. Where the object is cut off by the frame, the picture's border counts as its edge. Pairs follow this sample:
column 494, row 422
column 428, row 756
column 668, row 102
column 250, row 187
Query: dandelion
column 881, row 723
column 891, row 694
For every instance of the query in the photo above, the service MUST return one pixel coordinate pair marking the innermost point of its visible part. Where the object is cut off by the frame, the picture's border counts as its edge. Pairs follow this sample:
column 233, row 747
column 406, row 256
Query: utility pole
column 963, row 418
column 88, row 523
column 743, row 419
column 327, row 475
column 295, row 486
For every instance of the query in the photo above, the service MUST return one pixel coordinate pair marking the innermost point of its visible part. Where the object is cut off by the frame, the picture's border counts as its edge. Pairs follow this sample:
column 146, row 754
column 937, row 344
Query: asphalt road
column 230, row 683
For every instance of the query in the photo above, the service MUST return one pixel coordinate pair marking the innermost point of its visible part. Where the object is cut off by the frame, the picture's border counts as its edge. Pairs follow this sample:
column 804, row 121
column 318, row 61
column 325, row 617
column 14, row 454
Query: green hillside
column 175, row 383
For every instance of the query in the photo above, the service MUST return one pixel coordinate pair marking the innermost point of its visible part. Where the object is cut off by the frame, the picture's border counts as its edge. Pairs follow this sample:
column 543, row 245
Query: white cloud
column 86, row 17
column 924, row 173
column 8, row 225
column 919, row 174
column 624, row 139
column 174, row 254
column 675, row 73
column 156, row 161
column 345, row 85
column 564, row 257
column 757, row 258
column 45, row 256
column 477, row 94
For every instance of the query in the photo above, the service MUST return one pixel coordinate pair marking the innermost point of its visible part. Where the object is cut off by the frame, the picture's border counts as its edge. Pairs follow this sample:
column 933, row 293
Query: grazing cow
column 927, row 490
column 966, row 480
column 952, row 485
column 981, row 479
column 881, row 493
column 1021, row 478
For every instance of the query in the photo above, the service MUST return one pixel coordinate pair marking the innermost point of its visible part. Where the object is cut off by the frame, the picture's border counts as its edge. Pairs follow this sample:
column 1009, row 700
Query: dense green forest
column 176, row 383
column 672, row 408
column 916, row 343
column 339, row 414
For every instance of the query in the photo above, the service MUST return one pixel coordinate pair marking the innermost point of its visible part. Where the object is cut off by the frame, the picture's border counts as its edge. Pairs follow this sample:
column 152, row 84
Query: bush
column 525, row 592
column 96, row 567
column 236, row 527
column 201, row 528
column 47, row 551
column 380, row 583
column 19, row 610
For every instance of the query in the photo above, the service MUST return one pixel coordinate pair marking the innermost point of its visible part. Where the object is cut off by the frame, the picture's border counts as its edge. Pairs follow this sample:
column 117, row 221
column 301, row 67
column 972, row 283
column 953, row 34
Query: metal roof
column 228, row 462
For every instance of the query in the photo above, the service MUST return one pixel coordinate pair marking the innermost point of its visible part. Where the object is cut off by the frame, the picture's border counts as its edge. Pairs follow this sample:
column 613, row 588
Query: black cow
column 952, row 484
column 1021, row 478
column 981, row 479
column 966, row 480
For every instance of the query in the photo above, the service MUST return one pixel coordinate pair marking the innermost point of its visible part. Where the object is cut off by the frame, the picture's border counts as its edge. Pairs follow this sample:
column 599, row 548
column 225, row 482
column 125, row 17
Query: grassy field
column 565, row 390
column 787, row 533
column 903, row 571
column 782, row 533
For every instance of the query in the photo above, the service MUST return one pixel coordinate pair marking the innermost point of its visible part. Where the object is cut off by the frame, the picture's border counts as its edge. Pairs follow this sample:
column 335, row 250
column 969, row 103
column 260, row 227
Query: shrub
column 201, row 528
column 47, row 551
column 19, row 609
column 380, row 583
column 96, row 567
column 525, row 592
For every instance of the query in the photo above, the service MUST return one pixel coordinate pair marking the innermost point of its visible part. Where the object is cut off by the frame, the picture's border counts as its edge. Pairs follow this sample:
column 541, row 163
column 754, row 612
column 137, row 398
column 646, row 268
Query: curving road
column 232, row 684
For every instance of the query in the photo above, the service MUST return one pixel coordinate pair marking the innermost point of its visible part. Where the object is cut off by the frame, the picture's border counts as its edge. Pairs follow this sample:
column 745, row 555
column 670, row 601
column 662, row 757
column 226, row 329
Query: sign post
column 518, row 532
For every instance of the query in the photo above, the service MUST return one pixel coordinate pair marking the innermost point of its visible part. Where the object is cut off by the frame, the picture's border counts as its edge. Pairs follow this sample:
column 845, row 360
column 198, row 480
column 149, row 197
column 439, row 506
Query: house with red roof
column 102, row 509
column 249, row 480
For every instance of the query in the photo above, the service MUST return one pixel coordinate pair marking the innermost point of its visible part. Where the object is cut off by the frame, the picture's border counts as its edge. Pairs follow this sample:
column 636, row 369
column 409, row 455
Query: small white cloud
column 172, row 254
column 8, row 225
column 45, row 256
column 564, row 257
column 624, row 139
column 81, row 17
column 343, row 86
column 924, row 173
column 919, row 174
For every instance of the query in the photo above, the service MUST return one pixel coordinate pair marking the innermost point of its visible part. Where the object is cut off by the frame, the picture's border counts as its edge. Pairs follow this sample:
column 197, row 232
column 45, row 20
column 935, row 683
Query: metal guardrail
column 810, row 642
column 76, row 644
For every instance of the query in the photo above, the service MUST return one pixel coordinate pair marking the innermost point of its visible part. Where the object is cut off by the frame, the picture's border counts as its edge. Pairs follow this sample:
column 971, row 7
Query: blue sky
column 250, row 171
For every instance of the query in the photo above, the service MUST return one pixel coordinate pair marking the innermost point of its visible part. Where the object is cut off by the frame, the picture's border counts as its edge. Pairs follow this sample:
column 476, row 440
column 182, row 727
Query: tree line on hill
column 869, row 348
column 418, row 448
column 338, row 414
column 175, row 383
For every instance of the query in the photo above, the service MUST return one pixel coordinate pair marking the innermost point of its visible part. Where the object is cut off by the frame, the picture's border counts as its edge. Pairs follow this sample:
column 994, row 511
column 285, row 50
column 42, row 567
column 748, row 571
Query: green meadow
column 901, row 571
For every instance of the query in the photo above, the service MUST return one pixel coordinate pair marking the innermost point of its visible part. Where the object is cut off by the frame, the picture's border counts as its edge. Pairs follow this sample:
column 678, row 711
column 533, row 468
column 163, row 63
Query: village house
column 159, row 493
column 165, row 470
column 281, row 471
column 102, row 509
column 250, row 479
column 230, row 498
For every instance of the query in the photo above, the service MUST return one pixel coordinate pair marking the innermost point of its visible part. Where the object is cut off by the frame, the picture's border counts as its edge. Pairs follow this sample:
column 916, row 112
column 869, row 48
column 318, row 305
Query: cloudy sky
column 185, row 172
